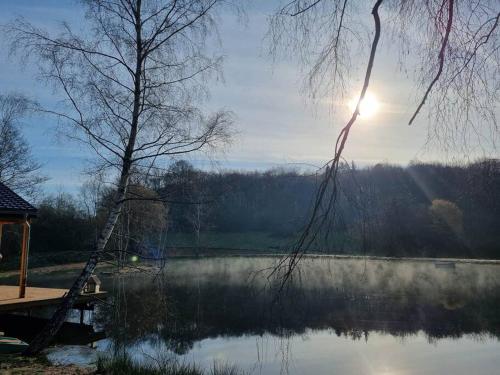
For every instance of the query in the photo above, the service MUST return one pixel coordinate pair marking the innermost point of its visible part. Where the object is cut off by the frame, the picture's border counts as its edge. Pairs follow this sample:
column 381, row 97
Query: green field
column 259, row 241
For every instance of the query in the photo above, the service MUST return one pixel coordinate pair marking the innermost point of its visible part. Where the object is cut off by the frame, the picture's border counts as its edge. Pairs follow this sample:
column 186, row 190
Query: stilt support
column 23, row 273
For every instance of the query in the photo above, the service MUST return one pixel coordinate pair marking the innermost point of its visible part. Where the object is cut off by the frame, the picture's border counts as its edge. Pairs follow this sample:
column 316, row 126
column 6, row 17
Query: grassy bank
column 19, row 365
column 182, row 243
column 124, row 365
column 11, row 262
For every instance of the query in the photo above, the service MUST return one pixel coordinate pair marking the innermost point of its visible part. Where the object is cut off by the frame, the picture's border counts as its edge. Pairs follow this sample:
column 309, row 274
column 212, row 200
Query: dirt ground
column 16, row 365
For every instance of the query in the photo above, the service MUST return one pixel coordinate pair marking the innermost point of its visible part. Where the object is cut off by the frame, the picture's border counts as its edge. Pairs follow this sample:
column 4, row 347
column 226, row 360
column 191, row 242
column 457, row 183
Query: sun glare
column 368, row 107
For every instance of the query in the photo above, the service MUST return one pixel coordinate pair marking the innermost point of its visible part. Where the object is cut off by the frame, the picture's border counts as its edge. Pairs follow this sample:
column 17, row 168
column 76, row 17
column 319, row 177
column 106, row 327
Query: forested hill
column 419, row 210
column 430, row 210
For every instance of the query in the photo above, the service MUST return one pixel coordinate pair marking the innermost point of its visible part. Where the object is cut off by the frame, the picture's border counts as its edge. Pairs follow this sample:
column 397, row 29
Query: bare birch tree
column 18, row 169
column 454, row 47
column 130, row 84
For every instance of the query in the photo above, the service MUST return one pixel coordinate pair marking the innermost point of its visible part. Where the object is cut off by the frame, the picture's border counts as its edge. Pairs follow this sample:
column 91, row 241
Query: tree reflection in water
column 223, row 297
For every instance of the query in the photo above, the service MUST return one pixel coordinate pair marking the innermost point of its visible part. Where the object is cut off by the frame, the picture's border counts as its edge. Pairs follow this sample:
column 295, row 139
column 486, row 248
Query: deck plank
column 35, row 297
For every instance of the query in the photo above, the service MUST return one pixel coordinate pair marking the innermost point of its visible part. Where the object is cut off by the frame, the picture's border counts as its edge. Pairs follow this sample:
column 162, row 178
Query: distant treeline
column 432, row 210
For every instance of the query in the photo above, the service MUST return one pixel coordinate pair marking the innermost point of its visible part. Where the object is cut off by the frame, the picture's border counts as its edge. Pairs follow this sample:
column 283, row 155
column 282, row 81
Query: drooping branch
column 441, row 58
column 317, row 219
column 332, row 49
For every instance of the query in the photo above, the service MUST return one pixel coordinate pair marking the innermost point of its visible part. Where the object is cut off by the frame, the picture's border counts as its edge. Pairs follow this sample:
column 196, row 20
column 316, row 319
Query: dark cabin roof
column 12, row 204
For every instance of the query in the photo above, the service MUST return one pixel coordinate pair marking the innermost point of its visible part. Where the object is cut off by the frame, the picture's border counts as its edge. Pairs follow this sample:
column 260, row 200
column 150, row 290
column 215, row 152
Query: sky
column 277, row 125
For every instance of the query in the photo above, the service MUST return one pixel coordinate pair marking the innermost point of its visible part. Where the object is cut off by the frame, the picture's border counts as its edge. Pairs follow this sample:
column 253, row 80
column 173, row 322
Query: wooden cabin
column 14, row 210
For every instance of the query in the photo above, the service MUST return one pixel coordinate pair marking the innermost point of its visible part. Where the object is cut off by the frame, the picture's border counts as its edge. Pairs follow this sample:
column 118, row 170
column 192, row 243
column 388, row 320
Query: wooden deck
column 36, row 297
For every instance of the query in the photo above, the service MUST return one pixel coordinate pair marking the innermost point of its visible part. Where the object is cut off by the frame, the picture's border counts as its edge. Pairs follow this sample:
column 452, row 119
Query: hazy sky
column 276, row 125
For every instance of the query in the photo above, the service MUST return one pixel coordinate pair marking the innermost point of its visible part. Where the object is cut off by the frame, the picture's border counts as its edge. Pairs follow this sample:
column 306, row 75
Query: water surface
column 342, row 316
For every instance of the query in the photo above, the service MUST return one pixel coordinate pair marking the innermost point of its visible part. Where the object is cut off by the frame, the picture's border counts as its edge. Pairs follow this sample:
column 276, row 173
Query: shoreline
column 147, row 264
column 342, row 256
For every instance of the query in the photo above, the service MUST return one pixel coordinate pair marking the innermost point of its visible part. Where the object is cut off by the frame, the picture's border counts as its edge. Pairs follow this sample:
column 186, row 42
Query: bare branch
column 441, row 58
column 316, row 221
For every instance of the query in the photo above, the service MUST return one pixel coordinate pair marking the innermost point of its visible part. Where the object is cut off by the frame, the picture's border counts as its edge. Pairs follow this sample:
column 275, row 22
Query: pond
column 342, row 316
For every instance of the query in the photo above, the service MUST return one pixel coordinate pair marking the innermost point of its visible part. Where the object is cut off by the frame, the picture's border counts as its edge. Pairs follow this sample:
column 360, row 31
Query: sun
column 368, row 107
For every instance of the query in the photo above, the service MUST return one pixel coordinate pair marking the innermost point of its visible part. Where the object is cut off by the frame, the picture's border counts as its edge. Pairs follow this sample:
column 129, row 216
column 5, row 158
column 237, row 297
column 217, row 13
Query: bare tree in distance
column 18, row 169
column 453, row 46
column 130, row 85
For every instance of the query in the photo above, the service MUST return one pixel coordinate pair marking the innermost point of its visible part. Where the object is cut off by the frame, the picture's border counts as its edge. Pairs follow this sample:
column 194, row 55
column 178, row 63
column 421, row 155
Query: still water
column 337, row 316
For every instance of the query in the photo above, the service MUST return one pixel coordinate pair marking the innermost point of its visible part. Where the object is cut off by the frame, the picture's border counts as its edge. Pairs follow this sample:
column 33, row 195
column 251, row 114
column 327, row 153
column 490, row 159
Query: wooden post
column 1, row 231
column 23, row 273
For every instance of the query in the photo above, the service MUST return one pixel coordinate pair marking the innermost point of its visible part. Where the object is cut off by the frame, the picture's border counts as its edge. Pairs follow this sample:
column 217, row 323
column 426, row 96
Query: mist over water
column 346, row 316
column 389, row 277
